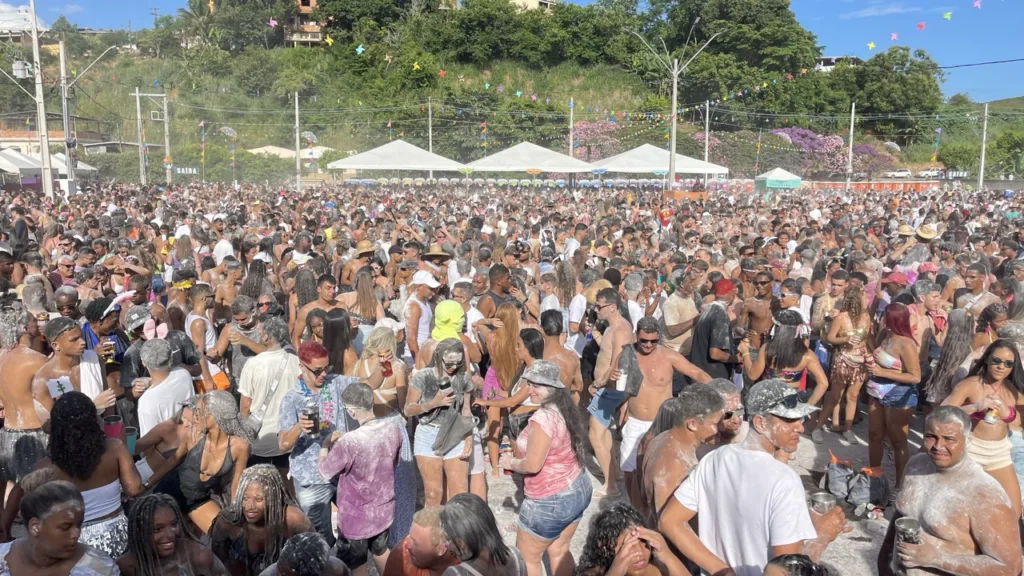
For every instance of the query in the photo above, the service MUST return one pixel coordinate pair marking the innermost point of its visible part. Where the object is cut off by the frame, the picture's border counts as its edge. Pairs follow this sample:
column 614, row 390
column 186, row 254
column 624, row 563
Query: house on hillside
column 301, row 28
column 18, row 130
column 828, row 63
column 16, row 24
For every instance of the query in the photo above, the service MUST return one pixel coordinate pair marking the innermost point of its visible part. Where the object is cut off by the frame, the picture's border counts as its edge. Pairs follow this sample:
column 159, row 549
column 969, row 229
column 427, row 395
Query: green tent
column 777, row 178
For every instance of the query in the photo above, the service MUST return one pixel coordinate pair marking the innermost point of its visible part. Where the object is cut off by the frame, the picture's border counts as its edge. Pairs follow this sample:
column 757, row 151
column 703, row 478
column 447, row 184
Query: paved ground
column 852, row 553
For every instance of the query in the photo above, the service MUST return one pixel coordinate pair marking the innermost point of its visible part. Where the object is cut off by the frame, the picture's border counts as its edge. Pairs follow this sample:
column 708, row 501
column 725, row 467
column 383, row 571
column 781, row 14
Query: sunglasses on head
column 993, row 361
column 316, row 372
column 789, row 402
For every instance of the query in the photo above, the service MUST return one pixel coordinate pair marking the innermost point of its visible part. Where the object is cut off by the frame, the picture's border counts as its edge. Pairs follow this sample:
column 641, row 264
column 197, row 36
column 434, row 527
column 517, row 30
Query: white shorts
column 632, row 432
column 476, row 460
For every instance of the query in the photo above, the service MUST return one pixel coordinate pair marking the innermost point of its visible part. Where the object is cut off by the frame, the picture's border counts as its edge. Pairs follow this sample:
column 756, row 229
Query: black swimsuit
column 195, row 490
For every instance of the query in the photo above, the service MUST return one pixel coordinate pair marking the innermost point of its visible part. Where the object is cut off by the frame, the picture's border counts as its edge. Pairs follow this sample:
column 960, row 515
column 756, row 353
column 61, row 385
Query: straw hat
column 436, row 252
column 365, row 247
column 905, row 230
column 927, row 231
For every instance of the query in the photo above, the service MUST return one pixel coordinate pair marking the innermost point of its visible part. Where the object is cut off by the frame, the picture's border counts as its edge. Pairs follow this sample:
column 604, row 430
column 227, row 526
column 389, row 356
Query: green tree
column 959, row 155
column 1008, row 153
column 899, row 81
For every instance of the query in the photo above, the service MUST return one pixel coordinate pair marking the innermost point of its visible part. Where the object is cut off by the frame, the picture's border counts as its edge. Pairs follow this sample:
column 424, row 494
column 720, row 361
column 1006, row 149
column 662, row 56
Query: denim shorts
column 604, row 405
column 546, row 518
column 902, row 396
column 423, row 443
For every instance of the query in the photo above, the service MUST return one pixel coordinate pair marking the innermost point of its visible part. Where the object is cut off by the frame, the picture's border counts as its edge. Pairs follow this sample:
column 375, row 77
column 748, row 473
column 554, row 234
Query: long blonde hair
column 366, row 301
column 381, row 339
column 504, row 359
column 183, row 248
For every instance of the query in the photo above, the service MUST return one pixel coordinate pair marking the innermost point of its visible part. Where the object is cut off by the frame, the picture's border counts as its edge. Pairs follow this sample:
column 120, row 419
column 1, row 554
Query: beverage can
column 385, row 366
column 990, row 416
column 506, row 448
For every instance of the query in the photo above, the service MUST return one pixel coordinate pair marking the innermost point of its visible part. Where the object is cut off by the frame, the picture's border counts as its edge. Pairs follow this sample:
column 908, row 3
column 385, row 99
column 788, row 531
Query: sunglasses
column 452, row 364
column 993, row 361
column 738, row 413
column 788, row 295
column 264, row 304
column 599, row 307
column 648, row 341
column 316, row 372
column 762, row 283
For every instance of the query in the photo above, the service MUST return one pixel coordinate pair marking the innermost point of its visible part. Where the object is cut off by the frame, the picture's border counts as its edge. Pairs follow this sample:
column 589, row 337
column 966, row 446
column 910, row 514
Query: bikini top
column 886, row 360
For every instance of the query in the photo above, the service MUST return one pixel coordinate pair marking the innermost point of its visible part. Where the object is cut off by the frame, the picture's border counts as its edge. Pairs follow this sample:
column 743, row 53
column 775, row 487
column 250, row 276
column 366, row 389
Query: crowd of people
column 201, row 379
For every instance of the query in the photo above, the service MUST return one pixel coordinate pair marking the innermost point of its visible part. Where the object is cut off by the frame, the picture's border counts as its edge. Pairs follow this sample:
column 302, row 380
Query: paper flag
column 487, row 85
column 210, row 4
column 415, row 65
column 389, row 123
column 977, row 4
column 501, row 88
column 360, row 49
column 920, row 25
column 947, row 15
column 462, row 78
column 519, row 93
column 533, row 97
column 547, row 100
column 441, row 73
column 329, row 40
column 871, row 45
column 156, row 82
column 895, row 36
column 388, row 58
column 272, row 23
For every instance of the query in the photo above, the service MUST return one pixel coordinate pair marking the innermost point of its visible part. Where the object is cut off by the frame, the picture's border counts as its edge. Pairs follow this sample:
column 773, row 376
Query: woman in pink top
column 557, row 485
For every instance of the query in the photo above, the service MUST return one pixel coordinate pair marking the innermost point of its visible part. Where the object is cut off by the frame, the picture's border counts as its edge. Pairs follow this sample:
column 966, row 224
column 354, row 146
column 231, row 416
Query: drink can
column 822, row 502
column 908, row 530
column 990, row 416
column 506, row 448
column 385, row 366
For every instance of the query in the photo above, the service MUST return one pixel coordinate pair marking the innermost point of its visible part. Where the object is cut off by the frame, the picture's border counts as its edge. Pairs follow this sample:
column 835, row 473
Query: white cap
column 424, row 278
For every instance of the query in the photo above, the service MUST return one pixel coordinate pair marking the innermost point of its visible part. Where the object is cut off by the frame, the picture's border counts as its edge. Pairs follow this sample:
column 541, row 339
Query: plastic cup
column 908, row 530
column 113, row 426
column 131, row 434
column 822, row 502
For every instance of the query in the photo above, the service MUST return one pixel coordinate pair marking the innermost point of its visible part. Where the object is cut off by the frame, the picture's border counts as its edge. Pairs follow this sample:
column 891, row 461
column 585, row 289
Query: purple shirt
column 365, row 458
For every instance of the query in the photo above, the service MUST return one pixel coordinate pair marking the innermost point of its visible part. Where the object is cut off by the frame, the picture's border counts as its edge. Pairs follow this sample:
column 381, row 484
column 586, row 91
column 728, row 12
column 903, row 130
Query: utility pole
column 168, row 159
column 154, row 12
column 66, row 121
column 672, row 128
column 44, row 136
column 984, row 142
column 707, row 137
column 849, row 155
column 430, row 128
column 138, row 123
column 572, row 106
column 298, row 161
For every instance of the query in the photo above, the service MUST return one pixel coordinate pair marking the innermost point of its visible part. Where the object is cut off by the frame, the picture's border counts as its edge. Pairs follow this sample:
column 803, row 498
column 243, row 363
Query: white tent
column 276, row 151
column 648, row 159
column 59, row 162
column 397, row 155
column 525, row 157
column 15, row 162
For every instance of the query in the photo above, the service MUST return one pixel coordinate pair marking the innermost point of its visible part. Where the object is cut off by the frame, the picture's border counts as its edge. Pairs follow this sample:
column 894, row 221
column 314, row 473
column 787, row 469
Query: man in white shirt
column 264, row 381
column 167, row 387
column 573, row 243
column 752, row 507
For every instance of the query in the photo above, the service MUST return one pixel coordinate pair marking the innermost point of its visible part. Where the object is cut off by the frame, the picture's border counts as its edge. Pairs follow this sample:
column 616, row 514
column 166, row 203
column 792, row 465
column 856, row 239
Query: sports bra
column 103, row 500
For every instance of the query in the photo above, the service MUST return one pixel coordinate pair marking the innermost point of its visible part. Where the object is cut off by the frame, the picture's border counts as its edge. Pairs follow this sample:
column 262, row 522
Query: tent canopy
column 273, row 151
column 526, row 157
column 397, row 155
column 777, row 178
column 648, row 159
column 60, row 163
column 15, row 162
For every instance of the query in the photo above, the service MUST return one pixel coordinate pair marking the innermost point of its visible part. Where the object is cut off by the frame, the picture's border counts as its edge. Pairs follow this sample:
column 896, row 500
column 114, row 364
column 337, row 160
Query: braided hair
column 306, row 554
column 276, row 501
column 140, row 535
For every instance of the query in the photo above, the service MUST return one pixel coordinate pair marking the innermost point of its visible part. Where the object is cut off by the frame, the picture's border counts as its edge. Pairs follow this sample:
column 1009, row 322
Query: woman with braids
column 992, row 318
column 100, row 467
column 160, row 543
column 850, row 334
column 216, row 450
column 956, row 347
column 556, row 483
column 619, row 544
column 256, row 283
column 247, row 536
column 53, row 514
column 315, row 321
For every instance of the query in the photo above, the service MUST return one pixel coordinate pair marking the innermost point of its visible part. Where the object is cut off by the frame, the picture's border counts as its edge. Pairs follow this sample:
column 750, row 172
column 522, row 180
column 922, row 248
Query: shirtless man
column 757, row 311
column 672, row 454
column 140, row 285
column 975, row 535
column 657, row 363
column 325, row 300
column 228, row 289
column 554, row 350
column 364, row 249
column 977, row 298
column 66, row 300
column 606, row 399
column 214, row 276
column 22, row 432
column 71, row 367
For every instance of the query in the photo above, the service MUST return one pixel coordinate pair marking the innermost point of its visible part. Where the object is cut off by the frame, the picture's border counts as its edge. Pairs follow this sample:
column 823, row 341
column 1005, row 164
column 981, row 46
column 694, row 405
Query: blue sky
column 842, row 26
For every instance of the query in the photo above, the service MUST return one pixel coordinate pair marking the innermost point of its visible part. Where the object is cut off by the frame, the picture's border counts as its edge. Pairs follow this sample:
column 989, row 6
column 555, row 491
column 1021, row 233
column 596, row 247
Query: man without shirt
column 22, row 440
column 658, row 365
column 732, row 429
column 743, row 524
column 606, row 398
column 671, row 455
column 970, row 536
column 757, row 313
column 325, row 300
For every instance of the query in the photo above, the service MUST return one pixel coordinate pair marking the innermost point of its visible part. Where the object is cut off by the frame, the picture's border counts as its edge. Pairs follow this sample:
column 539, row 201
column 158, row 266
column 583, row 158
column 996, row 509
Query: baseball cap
column 895, row 278
column 777, row 398
column 137, row 316
column 543, row 372
column 425, row 278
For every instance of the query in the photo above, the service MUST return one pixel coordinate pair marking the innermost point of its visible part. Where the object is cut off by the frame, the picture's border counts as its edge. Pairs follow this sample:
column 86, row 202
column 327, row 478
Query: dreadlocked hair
column 276, row 502
column 77, row 442
column 306, row 554
column 599, row 550
column 305, row 287
column 140, row 535
column 253, row 285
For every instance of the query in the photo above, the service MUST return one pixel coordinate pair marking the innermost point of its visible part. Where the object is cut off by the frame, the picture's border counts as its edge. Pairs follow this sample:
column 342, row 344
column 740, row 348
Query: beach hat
column 365, row 247
column 543, row 372
column 436, row 252
column 927, row 231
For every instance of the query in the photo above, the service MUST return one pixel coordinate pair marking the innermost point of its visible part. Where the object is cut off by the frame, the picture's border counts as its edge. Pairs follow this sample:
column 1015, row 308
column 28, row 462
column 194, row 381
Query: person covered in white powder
column 744, row 524
column 967, row 525
column 71, row 367
column 167, row 388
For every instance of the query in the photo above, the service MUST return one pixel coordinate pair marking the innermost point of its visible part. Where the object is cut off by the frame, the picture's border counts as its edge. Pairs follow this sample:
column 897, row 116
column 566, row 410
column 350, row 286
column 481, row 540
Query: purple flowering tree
column 870, row 160
column 822, row 153
column 596, row 140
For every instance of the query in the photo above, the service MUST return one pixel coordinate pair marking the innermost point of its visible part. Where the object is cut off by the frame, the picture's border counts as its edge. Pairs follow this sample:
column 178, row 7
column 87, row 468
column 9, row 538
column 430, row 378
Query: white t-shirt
column 164, row 400
column 577, row 308
column 747, row 502
column 472, row 317
column 571, row 246
column 636, row 312
column 257, row 378
column 221, row 250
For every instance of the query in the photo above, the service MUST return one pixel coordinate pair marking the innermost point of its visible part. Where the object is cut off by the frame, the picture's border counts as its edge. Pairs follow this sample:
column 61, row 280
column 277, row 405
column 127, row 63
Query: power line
column 989, row 63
